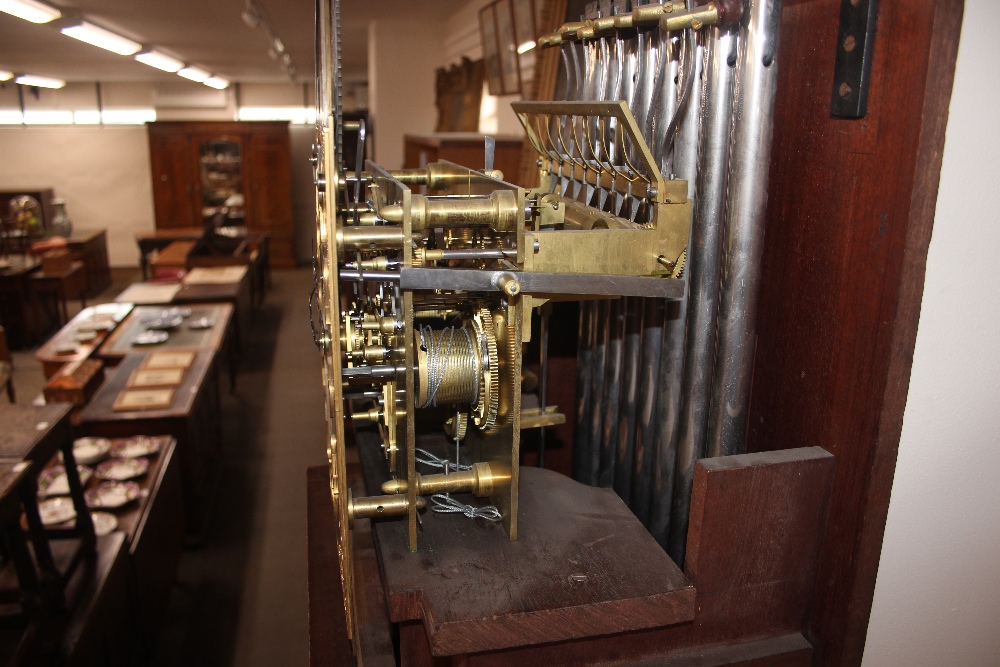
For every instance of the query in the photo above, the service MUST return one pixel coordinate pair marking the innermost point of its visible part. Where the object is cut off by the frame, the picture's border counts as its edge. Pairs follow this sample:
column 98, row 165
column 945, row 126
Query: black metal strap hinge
column 855, row 46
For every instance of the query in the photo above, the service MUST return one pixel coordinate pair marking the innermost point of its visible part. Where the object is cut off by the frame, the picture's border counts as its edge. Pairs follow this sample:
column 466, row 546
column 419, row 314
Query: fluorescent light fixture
column 128, row 116
column 105, row 39
column 11, row 117
column 216, row 82
column 29, row 10
column 194, row 74
column 524, row 47
column 39, row 81
column 5, row 75
column 87, row 117
column 159, row 61
column 48, row 117
column 297, row 115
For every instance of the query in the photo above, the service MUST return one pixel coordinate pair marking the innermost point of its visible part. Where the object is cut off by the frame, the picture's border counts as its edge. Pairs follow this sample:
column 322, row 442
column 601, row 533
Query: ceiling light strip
column 105, row 39
column 39, row 81
column 29, row 10
column 159, row 60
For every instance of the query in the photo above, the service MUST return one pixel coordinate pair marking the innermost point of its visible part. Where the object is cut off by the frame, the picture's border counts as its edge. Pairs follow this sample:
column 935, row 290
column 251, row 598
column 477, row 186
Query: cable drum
column 449, row 366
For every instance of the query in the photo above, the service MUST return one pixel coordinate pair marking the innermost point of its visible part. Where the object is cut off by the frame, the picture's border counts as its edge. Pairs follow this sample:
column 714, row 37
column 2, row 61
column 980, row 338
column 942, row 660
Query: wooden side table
column 90, row 246
column 57, row 288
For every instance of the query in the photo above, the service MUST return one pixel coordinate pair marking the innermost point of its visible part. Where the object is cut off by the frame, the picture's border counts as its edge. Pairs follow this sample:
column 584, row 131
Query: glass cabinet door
column 223, row 200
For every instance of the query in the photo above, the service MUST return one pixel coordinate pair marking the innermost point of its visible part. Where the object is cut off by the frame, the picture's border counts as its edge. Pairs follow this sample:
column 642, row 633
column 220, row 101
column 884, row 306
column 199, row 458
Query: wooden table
column 59, row 286
column 223, row 337
column 182, row 338
column 158, row 239
column 50, row 356
column 192, row 420
column 16, row 312
column 90, row 246
column 228, row 284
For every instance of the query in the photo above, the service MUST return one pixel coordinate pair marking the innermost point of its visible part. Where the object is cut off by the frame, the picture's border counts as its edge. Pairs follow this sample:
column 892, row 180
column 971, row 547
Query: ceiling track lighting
column 5, row 75
column 29, row 10
column 254, row 15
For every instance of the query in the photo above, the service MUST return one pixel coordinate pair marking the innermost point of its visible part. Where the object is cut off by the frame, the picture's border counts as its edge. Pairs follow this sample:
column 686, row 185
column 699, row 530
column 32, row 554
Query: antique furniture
column 192, row 419
column 119, row 343
column 17, row 313
column 158, row 239
column 222, row 336
column 74, row 342
column 90, row 246
column 53, row 288
column 819, row 323
column 172, row 261
column 211, row 174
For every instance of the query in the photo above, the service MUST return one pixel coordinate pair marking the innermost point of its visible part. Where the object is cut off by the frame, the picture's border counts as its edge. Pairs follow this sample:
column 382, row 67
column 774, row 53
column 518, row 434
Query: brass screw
column 849, row 43
column 845, row 90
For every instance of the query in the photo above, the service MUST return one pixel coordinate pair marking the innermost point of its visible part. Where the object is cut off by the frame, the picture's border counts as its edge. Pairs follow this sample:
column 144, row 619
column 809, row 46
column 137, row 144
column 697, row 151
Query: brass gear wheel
column 463, row 426
column 484, row 412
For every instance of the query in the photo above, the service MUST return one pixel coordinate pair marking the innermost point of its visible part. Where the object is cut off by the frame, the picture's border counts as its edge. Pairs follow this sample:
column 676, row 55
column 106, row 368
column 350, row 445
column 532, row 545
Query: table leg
column 51, row 580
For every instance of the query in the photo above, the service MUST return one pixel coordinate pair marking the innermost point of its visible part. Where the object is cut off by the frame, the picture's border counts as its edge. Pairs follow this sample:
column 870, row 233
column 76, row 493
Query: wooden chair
column 6, row 365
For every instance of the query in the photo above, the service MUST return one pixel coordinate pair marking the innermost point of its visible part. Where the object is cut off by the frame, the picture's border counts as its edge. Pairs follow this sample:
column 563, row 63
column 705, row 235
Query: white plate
column 56, row 510
column 201, row 323
column 104, row 523
column 84, row 336
column 53, row 481
column 89, row 451
column 120, row 470
column 139, row 445
column 111, row 495
column 150, row 338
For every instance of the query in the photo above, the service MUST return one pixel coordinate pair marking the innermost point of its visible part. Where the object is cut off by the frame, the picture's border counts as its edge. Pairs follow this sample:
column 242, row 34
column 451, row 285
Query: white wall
column 937, row 599
column 103, row 173
column 402, row 56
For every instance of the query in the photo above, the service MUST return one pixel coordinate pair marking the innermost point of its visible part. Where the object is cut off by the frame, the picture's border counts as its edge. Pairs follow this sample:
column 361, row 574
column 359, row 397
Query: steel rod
column 612, row 393
column 744, row 243
column 629, row 397
column 584, row 380
column 645, row 436
column 704, row 260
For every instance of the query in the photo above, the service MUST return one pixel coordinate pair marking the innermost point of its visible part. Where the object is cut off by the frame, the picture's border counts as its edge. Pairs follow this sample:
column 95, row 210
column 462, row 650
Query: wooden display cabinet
column 230, row 173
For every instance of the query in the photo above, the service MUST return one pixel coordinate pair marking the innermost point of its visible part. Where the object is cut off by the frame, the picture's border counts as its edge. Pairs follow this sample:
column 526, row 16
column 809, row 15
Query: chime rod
column 702, row 270
column 749, row 165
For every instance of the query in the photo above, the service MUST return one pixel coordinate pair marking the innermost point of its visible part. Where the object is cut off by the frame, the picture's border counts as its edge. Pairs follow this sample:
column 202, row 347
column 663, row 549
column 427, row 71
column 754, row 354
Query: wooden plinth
column 470, row 597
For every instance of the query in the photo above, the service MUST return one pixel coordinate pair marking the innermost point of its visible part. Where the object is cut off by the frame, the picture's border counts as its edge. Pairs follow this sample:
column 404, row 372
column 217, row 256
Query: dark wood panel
column 851, row 204
column 269, row 181
column 329, row 644
column 173, row 180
